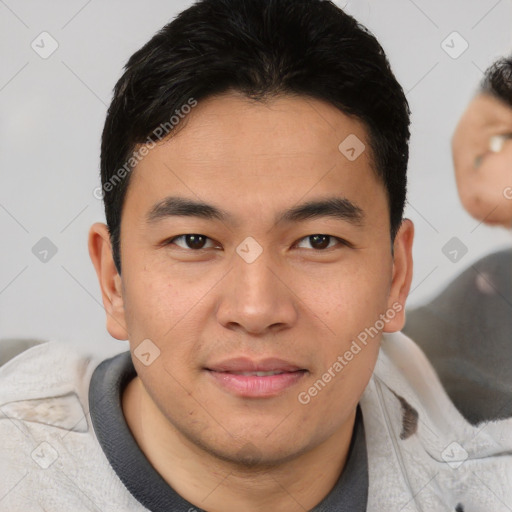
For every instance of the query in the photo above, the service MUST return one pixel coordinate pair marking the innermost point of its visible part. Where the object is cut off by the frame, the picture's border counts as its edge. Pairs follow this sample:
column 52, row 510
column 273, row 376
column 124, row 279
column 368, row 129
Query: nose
column 257, row 298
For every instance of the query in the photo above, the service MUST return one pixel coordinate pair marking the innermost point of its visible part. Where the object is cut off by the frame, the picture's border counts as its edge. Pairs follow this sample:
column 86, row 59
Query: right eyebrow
column 179, row 206
column 337, row 207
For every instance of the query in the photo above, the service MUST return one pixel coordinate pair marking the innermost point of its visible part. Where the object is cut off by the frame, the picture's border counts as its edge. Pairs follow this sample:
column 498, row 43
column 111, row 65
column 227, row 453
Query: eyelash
column 340, row 241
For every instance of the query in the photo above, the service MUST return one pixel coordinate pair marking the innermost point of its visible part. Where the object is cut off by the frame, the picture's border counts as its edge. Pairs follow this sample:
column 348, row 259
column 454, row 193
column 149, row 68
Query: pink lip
column 253, row 386
column 244, row 364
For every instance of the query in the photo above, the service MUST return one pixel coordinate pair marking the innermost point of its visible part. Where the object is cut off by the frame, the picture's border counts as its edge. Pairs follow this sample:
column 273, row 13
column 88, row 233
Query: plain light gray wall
column 53, row 109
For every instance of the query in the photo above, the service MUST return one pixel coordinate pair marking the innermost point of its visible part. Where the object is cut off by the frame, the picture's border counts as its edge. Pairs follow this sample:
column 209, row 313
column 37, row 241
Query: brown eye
column 190, row 241
column 319, row 241
column 195, row 241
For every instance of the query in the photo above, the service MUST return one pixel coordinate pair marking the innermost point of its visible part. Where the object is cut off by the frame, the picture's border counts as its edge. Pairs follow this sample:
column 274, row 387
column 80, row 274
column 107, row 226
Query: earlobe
column 402, row 276
column 100, row 251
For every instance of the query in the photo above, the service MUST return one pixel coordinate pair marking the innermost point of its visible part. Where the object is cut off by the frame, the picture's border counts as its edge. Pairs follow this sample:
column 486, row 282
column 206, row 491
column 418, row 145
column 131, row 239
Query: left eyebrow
column 339, row 208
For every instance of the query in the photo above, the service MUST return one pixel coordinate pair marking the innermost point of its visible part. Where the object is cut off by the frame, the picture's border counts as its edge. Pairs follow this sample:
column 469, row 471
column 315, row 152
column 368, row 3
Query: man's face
column 256, row 291
column 484, row 175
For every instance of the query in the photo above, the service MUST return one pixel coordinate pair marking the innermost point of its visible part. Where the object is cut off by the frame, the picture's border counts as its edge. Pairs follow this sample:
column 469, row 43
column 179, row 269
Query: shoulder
column 49, row 453
column 47, row 384
column 407, row 382
column 498, row 262
column 407, row 391
column 404, row 367
column 10, row 348
column 415, row 433
column 45, row 371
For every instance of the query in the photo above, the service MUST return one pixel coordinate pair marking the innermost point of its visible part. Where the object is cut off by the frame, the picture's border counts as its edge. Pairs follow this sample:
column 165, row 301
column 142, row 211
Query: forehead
column 233, row 150
column 232, row 126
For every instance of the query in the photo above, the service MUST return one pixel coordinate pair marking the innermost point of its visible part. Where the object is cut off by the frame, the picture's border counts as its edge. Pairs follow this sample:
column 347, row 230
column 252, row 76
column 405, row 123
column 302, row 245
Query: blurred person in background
column 466, row 330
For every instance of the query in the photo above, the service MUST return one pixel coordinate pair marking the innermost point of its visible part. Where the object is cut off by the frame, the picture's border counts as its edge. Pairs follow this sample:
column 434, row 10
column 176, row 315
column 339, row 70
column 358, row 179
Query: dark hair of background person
column 262, row 49
column 497, row 80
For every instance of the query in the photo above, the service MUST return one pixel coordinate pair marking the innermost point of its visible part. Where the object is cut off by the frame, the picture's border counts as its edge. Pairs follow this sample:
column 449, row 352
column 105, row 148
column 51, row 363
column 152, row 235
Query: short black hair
column 260, row 48
column 497, row 80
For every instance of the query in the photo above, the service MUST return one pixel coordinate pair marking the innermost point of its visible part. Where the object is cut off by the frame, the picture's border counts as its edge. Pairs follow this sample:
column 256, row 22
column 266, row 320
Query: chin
column 251, row 455
column 487, row 213
column 501, row 220
column 507, row 224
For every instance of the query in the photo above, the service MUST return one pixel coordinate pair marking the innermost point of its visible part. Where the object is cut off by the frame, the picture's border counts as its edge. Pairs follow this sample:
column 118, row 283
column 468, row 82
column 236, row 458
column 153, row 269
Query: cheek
column 155, row 302
column 337, row 387
column 360, row 288
column 486, row 195
column 496, row 174
column 346, row 303
column 348, row 349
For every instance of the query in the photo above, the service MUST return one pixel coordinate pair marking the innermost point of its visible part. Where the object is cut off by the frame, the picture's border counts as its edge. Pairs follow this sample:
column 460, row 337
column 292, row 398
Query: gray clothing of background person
column 466, row 332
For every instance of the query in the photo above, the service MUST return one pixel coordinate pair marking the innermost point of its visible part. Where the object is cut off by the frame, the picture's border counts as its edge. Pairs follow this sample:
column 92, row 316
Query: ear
column 402, row 275
column 100, row 251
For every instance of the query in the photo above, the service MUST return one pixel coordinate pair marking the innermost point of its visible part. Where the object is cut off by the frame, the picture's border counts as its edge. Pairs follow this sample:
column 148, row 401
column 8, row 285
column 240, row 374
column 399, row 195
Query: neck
column 218, row 485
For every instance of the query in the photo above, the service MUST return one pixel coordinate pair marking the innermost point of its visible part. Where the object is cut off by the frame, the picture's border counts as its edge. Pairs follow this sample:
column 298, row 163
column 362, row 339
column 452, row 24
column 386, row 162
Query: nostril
column 459, row 508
